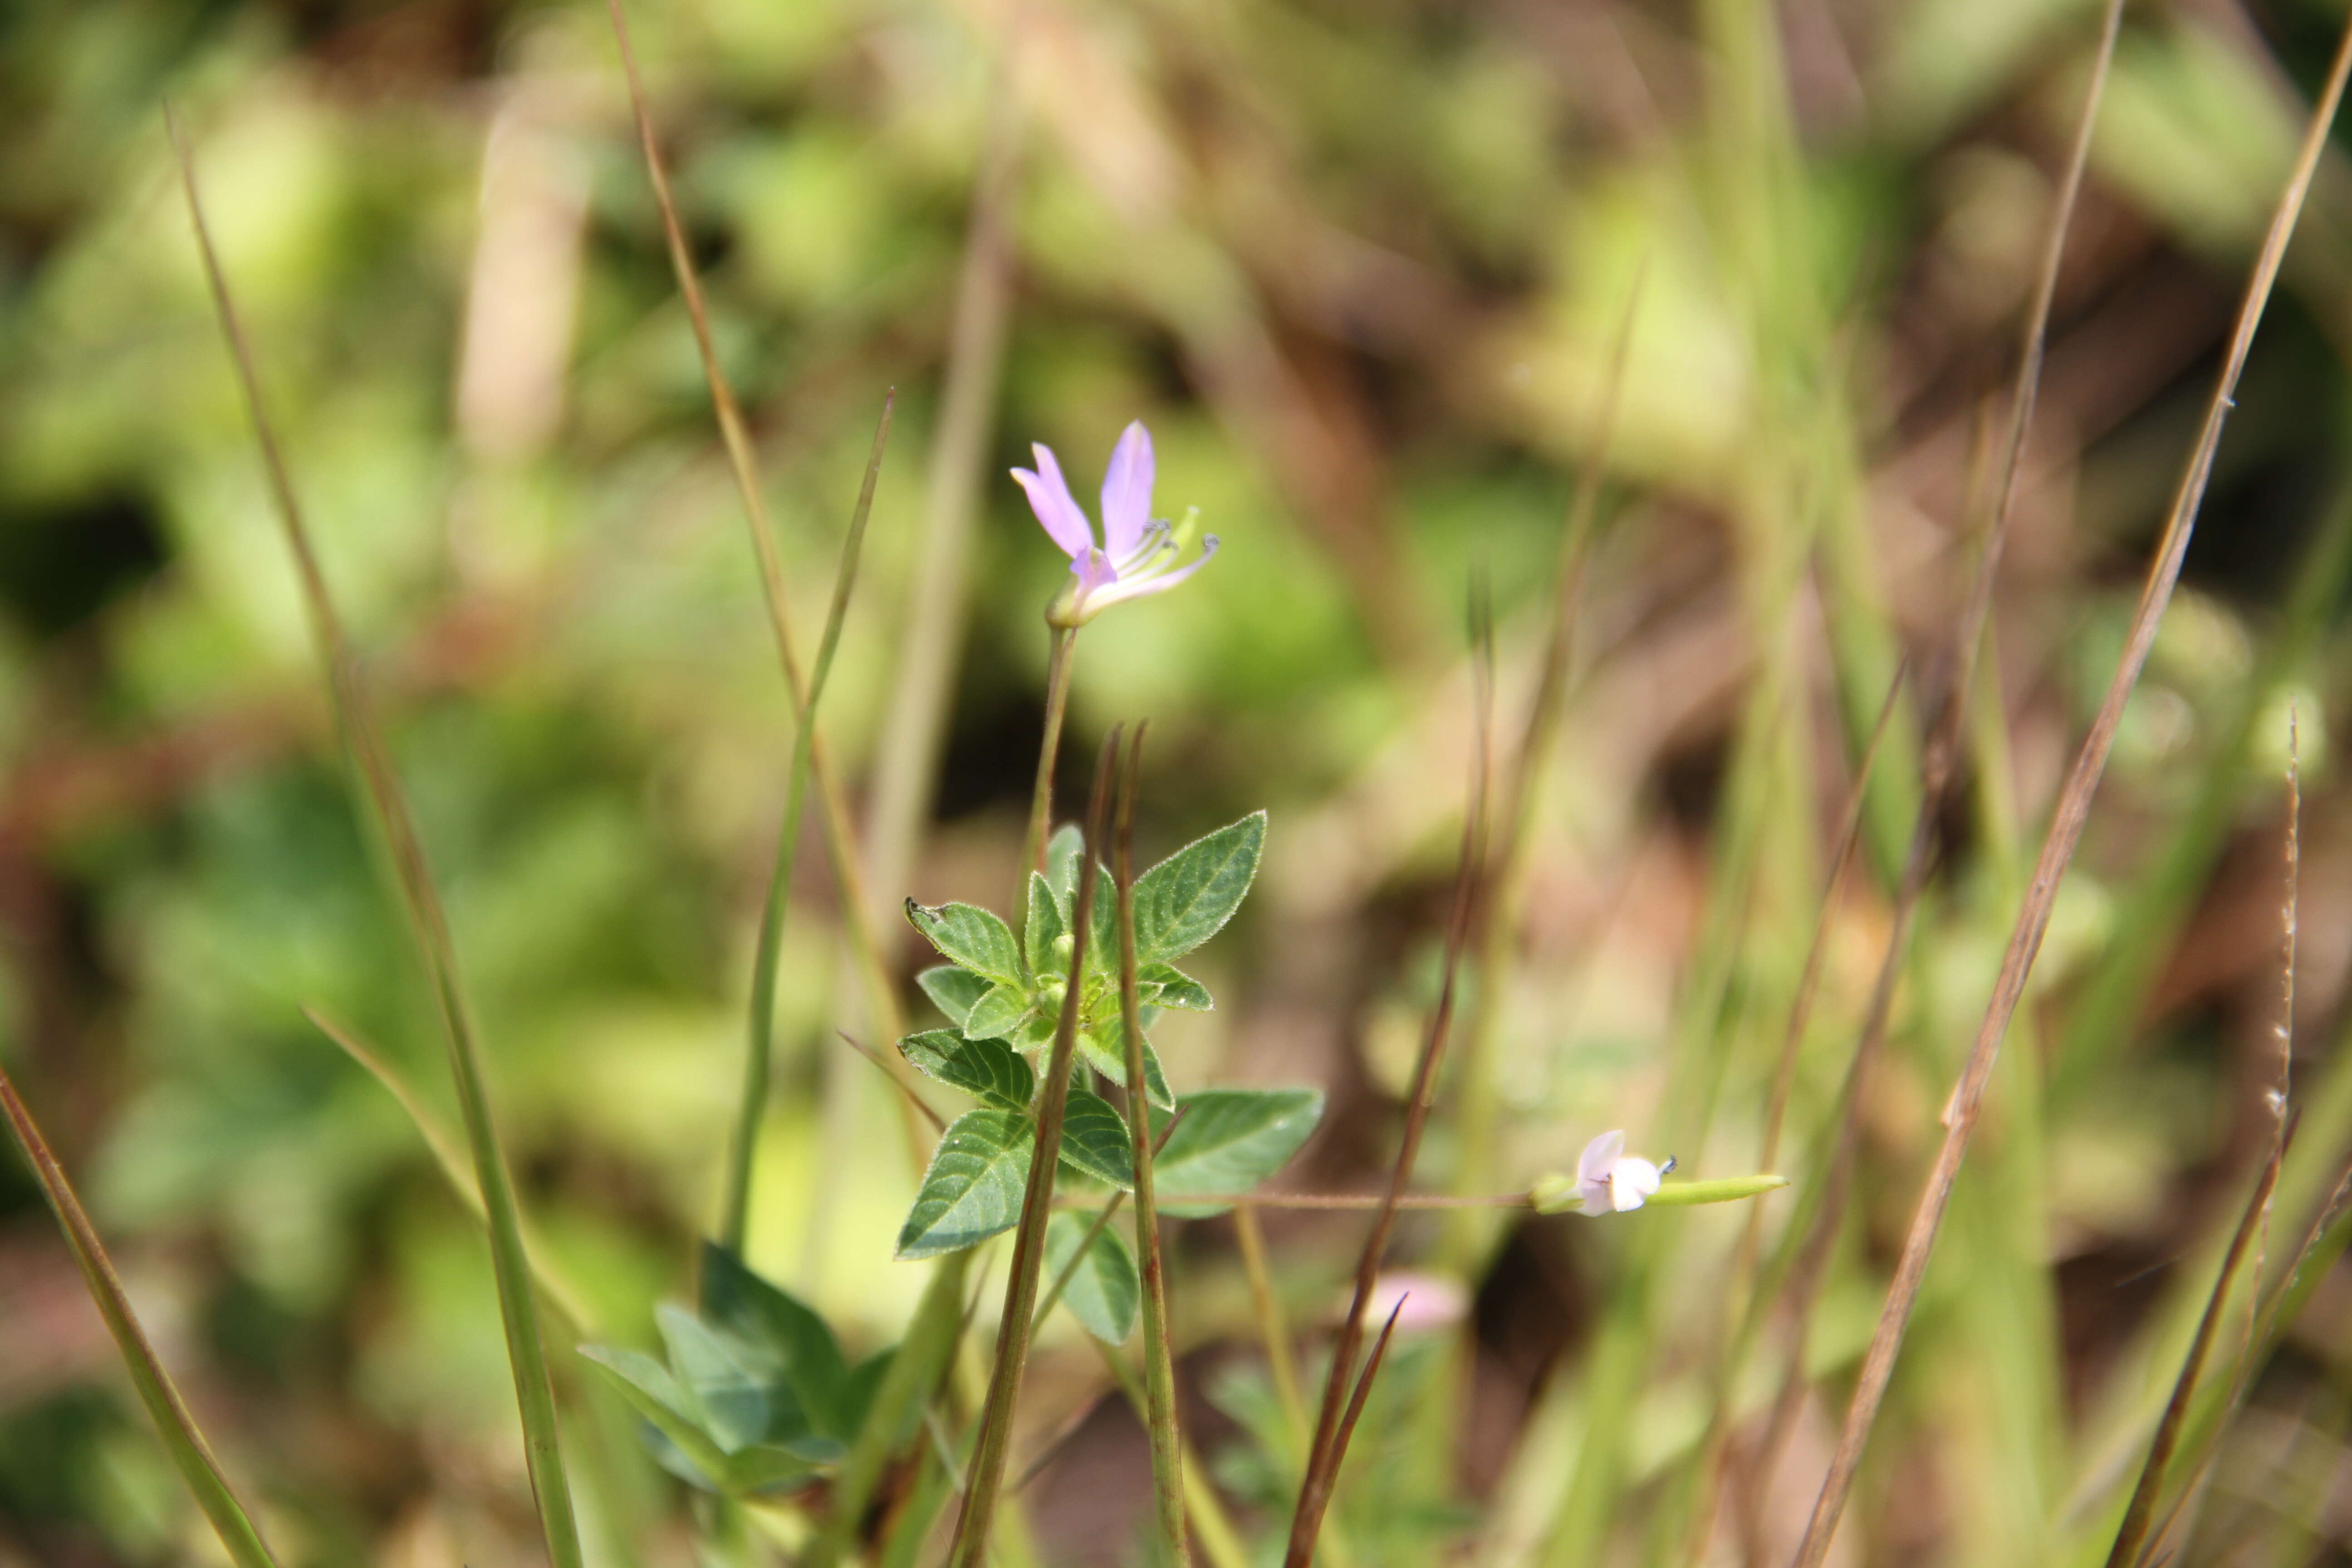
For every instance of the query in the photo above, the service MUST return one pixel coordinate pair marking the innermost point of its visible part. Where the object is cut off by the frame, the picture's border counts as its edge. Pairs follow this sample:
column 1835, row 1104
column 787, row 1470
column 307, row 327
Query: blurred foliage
column 1361, row 266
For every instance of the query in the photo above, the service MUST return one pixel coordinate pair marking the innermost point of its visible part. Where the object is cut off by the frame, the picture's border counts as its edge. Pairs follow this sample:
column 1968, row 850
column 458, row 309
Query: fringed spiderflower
column 1608, row 1180
column 1138, row 552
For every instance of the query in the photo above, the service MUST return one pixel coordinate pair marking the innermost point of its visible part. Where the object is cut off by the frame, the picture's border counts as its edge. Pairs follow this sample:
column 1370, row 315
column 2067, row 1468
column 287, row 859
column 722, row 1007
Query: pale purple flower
column 1609, row 1181
column 1138, row 552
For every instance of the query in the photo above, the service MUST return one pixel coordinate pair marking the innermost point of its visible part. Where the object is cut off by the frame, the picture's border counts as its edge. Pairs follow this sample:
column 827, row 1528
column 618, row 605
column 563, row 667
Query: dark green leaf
column 654, row 1393
column 1105, row 1292
column 987, row 1069
column 1168, row 986
column 998, row 1015
column 1229, row 1141
column 972, row 1190
column 722, row 1379
column 807, row 1358
column 864, row 1381
column 1094, row 1140
column 969, row 936
column 1045, row 927
column 952, row 990
column 1186, row 898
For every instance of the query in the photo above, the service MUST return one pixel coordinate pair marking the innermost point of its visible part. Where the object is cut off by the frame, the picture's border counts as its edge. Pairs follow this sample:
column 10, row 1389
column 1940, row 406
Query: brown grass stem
column 2066, row 831
column 1316, row 1484
column 534, row 1391
column 1158, row 1372
column 987, row 1477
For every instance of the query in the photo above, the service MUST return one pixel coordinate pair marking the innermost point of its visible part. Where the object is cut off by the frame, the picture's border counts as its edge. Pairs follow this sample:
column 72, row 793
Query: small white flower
column 1608, row 1180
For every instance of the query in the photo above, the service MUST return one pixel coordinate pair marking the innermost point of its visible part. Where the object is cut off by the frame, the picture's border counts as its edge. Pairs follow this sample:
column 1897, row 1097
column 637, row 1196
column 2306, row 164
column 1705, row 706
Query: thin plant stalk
column 1159, row 1373
column 907, row 753
column 760, row 1046
column 1041, row 797
column 841, row 842
column 2058, row 847
column 534, row 1391
column 1272, row 1329
column 2132, row 1531
column 1812, row 1239
column 191, row 1455
column 916, row 1370
column 1743, row 1297
column 987, row 1479
column 1316, row 1484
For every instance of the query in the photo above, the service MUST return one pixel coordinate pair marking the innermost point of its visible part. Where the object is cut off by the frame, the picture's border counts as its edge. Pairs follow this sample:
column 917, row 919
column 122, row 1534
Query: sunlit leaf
column 1103, row 1048
column 997, row 1015
column 972, row 1190
column 1094, row 1140
column 953, row 990
column 970, row 936
column 1187, row 899
column 1230, row 1140
column 988, row 1070
column 1168, row 986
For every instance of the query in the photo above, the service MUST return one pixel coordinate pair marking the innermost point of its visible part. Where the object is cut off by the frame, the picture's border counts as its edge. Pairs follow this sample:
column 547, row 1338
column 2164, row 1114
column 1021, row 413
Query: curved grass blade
column 760, row 1047
column 534, row 1391
column 191, row 1455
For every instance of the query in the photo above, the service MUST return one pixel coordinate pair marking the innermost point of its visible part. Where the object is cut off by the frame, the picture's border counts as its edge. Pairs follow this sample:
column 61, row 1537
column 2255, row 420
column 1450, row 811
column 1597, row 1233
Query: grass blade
column 1159, row 1373
column 534, row 1392
column 987, row 1478
column 450, row 1156
column 191, row 1455
column 760, row 1047
column 2058, row 847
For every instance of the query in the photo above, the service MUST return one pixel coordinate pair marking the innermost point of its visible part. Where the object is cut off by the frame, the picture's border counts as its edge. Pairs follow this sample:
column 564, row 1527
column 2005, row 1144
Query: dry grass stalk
column 1322, row 1453
column 2058, row 848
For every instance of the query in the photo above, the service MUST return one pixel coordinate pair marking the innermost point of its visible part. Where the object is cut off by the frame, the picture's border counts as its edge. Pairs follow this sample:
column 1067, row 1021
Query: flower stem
column 759, row 1049
column 1041, row 801
column 987, row 1480
column 1159, row 1375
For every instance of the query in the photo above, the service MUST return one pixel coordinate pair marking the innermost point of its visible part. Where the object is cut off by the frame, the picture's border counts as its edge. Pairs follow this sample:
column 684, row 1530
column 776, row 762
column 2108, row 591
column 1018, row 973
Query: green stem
column 534, row 1392
column 914, row 1371
column 971, row 1548
column 759, row 1050
column 1041, row 799
column 199, row 1471
column 1159, row 1373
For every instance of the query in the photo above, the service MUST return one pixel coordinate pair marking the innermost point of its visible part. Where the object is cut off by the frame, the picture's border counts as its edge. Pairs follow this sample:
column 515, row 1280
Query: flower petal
column 1137, row 587
column 1127, row 491
column 1049, row 498
column 1631, row 1182
column 1600, row 1156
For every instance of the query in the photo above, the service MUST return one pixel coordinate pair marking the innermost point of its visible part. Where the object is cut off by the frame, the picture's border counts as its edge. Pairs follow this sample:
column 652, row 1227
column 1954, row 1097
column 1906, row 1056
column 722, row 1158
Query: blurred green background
column 1359, row 264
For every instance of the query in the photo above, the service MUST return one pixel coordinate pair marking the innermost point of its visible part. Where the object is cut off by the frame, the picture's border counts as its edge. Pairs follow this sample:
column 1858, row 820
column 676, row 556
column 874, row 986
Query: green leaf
column 721, row 1379
column 952, row 990
column 1186, row 898
column 1168, row 986
column 1229, row 1141
column 858, row 1389
column 1062, row 864
column 997, row 1016
column 969, row 936
column 1043, row 929
column 972, row 1190
column 1104, row 1048
column 1105, row 1292
column 987, row 1069
column 807, row 1359
column 655, row 1395
column 1094, row 1140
